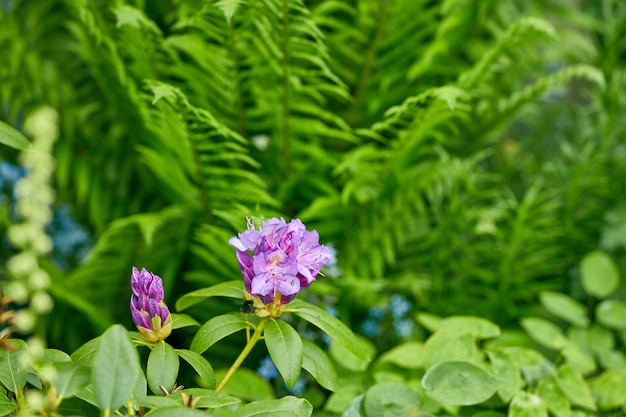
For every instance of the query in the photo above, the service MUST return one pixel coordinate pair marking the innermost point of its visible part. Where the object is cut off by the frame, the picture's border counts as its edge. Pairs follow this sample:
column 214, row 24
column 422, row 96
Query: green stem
column 258, row 334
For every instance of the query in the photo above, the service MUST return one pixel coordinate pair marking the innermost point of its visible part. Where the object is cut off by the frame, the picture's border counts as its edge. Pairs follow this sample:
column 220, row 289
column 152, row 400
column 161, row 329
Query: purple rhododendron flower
column 281, row 258
column 149, row 312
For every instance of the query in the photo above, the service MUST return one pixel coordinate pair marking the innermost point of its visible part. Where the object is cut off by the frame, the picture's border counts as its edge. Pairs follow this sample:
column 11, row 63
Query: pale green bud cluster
column 35, row 196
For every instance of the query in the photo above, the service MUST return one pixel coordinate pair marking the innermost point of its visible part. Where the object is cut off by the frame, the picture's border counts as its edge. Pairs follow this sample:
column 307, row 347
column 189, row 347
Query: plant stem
column 258, row 334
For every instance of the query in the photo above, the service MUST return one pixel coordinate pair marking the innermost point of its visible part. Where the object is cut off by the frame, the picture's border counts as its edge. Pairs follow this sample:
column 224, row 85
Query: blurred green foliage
column 465, row 154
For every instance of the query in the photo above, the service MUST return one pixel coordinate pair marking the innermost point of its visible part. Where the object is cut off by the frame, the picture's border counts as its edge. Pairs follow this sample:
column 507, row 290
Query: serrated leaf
column 115, row 369
column 9, row 136
column 232, row 289
column 285, row 348
column 285, row 407
column 574, row 386
column 162, row 368
column 200, row 364
column 317, row 363
column 331, row 326
column 458, row 383
column 599, row 274
column 564, row 307
column 216, row 329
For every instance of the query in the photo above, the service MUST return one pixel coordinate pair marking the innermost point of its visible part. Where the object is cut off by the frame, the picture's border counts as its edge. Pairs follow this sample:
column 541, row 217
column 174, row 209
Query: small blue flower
column 330, row 309
column 267, row 370
column 370, row 328
column 376, row 313
column 399, row 306
column 403, row 327
column 11, row 173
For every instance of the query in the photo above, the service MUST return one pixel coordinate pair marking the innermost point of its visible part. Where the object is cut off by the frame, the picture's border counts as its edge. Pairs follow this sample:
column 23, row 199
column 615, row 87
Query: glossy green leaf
column 476, row 326
column 458, row 383
column 609, row 389
column 505, row 370
column 13, row 372
column 11, row 137
column 448, row 344
column 430, row 322
column 285, row 348
column 555, row 399
column 183, row 320
column 391, row 399
column 153, row 401
column 216, row 329
column 200, row 365
column 525, row 404
column 85, row 354
column 564, row 307
column 6, row 406
column 544, row 332
column 599, row 274
column 317, row 363
column 331, row 326
column 574, row 386
column 612, row 313
column 70, row 379
column 115, row 369
column 232, row 289
column 408, row 355
column 285, row 407
column 162, row 369
column 207, row 398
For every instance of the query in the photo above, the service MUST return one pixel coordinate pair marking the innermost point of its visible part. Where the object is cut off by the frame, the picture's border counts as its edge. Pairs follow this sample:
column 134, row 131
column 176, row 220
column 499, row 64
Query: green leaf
column 458, row 383
column 532, row 363
column 391, row 399
column 448, row 344
column 612, row 313
column 285, row 348
column 232, row 289
column 430, row 322
column 70, row 379
column 12, row 138
column 179, row 411
column 348, row 360
column 6, row 406
column 564, row 307
column 162, row 368
column 525, row 404
column 609, row 389
column 246, row 384
column 317, row 363
column 476, row 326
column 599, row 274
column 408, row 355
column 216, row 329
column 115, row 369
column 543, row 332
column 207, row 398
column 200, row 364
column 183, row 320
column 574, row 386
column 505, row 370
column 581, row 360
column 85, row 354
column 152, row 401
column 331, row 326
column 555, row 399
column 13, row 373
column 285, row 407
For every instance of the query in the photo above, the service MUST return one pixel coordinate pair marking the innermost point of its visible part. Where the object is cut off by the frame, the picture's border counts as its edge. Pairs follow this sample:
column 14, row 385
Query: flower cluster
column 149, row 312
column 279, row 260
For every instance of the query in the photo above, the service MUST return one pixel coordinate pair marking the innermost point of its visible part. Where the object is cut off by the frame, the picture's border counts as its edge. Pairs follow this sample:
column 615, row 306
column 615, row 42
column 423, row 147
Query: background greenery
column 465, row 155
